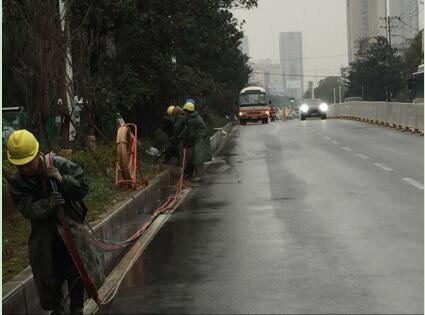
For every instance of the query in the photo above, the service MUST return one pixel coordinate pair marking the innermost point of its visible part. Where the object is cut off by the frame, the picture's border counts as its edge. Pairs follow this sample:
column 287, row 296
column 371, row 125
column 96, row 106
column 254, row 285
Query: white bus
column 253, row 105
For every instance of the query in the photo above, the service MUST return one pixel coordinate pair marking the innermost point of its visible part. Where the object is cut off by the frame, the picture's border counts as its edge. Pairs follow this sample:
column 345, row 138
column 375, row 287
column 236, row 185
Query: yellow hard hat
column 170, row 110
column 189, row 107
column 22, row 147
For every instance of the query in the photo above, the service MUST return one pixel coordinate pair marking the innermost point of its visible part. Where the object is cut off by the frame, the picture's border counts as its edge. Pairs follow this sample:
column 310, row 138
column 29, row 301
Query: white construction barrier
column 404, row 115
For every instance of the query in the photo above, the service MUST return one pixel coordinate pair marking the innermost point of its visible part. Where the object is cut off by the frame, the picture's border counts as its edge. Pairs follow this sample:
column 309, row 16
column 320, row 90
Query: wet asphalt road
column 294, row 217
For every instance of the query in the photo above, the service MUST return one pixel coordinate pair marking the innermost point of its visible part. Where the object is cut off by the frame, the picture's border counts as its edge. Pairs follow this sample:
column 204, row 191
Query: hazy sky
column 323, row 24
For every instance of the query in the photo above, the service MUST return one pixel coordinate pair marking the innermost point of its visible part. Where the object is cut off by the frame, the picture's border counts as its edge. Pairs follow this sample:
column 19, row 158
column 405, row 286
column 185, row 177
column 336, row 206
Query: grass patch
column 15, row 240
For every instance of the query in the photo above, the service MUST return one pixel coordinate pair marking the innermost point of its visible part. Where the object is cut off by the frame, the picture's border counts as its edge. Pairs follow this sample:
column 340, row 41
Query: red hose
column 111, row 245
column 75, row 255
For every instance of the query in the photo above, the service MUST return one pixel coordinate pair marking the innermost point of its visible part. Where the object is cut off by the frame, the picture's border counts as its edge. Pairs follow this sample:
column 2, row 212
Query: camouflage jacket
column 179, row 128
column 197, row 140
column 31, row 197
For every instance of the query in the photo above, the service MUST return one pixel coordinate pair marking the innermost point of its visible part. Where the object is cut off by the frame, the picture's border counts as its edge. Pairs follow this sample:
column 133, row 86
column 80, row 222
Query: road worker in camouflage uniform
column 178, row 127
column 50, row 258
column 168, row 126
column 179, row 131
column 197, row 142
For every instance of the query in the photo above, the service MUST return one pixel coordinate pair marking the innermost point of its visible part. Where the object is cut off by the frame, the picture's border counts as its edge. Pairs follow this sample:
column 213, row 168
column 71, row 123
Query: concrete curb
column 20, row 294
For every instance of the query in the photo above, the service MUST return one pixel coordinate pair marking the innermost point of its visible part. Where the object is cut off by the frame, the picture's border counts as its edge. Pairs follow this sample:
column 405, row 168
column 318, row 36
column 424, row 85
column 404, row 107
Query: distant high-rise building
column 244, row 46
column 407, row 26
column 269, row 75
column 365, row 20
column 291, row 63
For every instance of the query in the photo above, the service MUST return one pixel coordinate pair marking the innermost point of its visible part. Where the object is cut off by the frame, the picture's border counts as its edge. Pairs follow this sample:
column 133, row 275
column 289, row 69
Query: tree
column 309, row 93
column 325, row 89
column 140, row 78
column 378, row 74
column 412, row 58
column 133, row 57
column 34, row 60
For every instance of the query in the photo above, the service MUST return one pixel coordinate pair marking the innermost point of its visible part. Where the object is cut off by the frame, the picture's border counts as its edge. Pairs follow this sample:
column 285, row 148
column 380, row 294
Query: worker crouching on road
column 197, row 142
column 175, row 147
column 50, row 258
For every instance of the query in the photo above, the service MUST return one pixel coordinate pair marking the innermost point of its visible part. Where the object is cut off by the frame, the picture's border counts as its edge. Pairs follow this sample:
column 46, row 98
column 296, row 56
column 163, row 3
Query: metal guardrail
column 403, row 115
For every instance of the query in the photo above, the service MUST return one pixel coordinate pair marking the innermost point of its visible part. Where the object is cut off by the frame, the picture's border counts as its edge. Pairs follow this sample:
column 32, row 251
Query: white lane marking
column 411, row 181
column 347, row 149
column 335, row 142
column 327, row 138
column 383, row 167
column 364, row 157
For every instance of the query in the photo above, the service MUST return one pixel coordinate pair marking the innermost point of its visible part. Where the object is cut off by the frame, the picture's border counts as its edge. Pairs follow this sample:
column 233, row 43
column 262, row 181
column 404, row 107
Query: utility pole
column 339, row 88
column 315, row 75
column 334, row 96
column 63, row 11
column 388, row 27
column 312, row 91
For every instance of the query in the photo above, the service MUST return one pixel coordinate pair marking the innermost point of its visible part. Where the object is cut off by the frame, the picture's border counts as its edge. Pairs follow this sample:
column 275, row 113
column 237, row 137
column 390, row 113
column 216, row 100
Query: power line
column 298, row 58
column 412, row 10
column 413, row 28
column 412, row 7
column 388, row 27
column 295, row 75
column 327, row 69
column 415, row 12
column 401, row 36
column 318, row 57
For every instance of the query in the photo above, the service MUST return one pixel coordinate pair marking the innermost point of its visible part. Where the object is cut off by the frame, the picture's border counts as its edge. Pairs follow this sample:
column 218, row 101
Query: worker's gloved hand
column 56, row 199
column 53, row 172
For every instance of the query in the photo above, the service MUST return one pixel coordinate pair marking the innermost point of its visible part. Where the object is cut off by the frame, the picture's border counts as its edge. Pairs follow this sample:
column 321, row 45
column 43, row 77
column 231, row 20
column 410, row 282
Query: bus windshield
column 253, row 99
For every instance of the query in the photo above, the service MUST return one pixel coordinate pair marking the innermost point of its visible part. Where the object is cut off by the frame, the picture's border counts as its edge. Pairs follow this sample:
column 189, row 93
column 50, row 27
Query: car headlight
column 240, row 114
column 304, row 108
column 323, row 107
column 267, row 112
